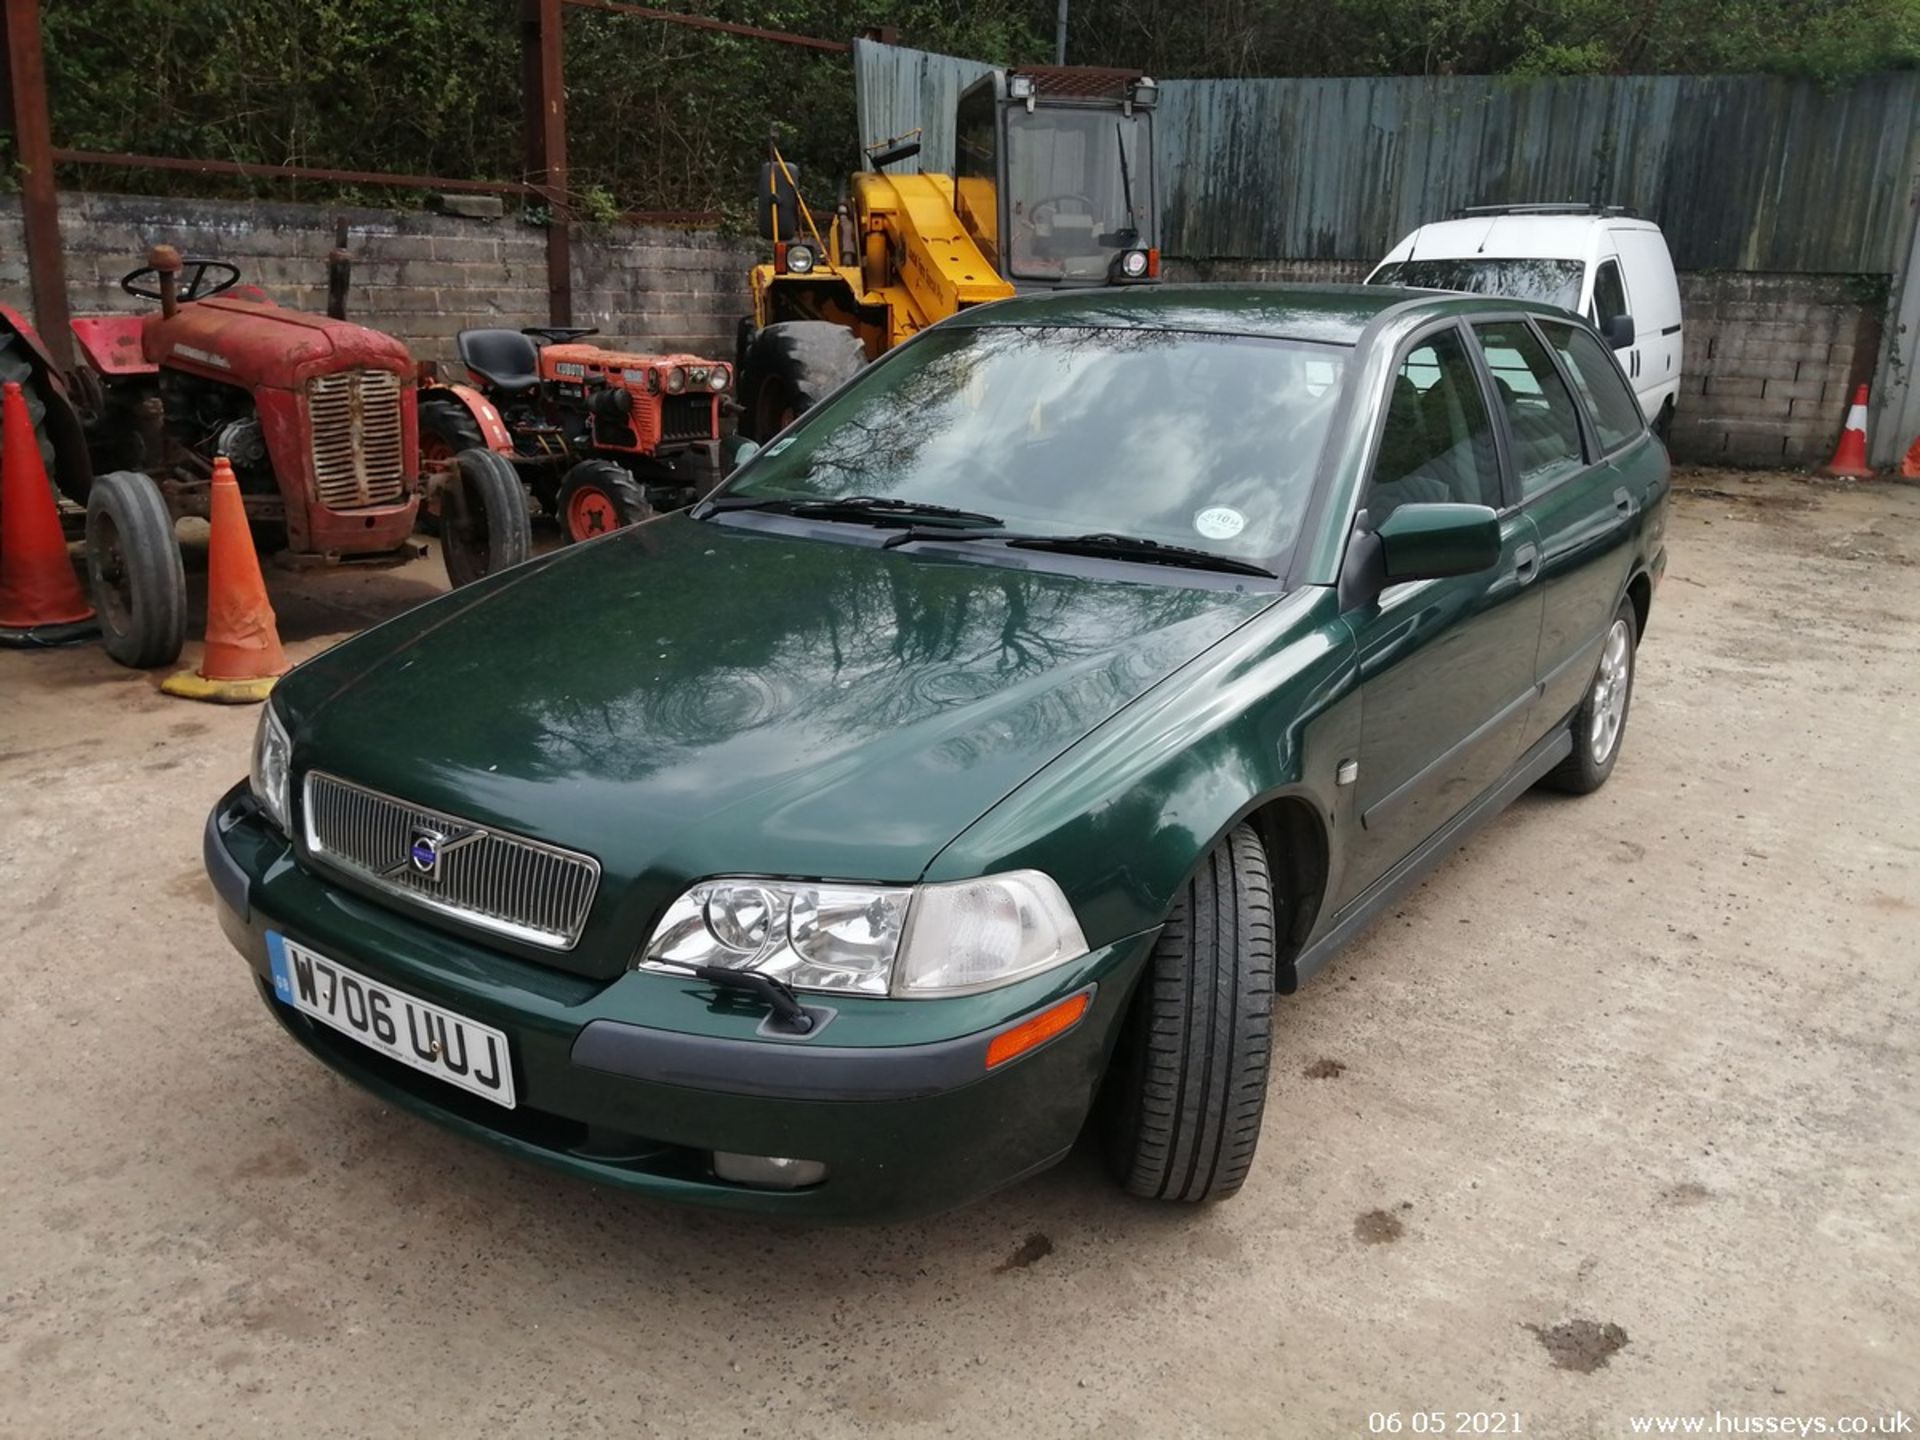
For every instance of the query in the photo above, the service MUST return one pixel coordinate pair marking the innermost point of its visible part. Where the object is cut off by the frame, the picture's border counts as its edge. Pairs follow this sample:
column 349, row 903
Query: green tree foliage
column 666, row 117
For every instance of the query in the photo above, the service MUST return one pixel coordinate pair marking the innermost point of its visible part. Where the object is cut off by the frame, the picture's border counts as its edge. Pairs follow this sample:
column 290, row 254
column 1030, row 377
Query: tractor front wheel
column 791, row 367
column 483, row 518
column 133, row 565
column 597, row 497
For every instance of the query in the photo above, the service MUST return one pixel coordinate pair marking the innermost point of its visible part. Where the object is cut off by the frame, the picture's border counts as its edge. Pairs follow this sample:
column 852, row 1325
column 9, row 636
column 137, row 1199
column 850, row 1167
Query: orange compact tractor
column 317, row 417
column 603, row 438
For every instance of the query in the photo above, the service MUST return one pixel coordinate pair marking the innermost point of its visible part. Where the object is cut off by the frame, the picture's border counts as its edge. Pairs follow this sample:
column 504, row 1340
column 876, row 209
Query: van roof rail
column 1550, row 207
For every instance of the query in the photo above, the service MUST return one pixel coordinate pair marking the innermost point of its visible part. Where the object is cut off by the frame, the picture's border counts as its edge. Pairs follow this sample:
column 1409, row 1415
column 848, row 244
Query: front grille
column 487, row 878
column 359, row 450
column 686, row 417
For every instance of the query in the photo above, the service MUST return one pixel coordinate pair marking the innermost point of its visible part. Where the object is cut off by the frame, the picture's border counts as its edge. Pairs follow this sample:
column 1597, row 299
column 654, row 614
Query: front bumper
column 635, row 1081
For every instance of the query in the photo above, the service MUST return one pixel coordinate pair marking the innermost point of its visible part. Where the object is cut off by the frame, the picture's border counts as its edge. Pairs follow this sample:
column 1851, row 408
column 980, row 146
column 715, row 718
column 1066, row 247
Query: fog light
column 799, row 260
column 768, row 1172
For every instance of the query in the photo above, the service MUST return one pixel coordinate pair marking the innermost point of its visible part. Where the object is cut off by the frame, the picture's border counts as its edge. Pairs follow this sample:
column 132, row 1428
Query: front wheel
column 1190, row 1082
column 1600, row 724
column 133, row 566
column 483, row 518
column 598, row 497
column 789, row 368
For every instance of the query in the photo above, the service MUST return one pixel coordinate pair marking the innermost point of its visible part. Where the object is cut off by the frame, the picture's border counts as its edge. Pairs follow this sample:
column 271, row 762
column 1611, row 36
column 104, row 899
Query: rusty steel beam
column 543, row 66
column 114, row 159
column 26, row 80
column 702, row 22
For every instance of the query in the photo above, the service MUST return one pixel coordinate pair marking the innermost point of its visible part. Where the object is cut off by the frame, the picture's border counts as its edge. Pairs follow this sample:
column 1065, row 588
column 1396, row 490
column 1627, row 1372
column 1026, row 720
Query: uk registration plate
column 432, row 1040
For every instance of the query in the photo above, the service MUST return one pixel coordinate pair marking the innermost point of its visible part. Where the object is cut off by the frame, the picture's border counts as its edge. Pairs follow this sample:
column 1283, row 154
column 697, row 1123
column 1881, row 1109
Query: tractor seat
column 507, row 360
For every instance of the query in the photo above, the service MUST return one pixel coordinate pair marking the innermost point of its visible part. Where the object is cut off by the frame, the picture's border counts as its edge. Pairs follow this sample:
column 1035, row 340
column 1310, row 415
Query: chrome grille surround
column 359, row 443
column 509, row 885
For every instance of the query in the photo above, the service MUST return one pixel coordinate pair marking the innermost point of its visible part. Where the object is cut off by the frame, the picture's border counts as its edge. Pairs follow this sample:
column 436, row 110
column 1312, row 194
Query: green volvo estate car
column 977, row 765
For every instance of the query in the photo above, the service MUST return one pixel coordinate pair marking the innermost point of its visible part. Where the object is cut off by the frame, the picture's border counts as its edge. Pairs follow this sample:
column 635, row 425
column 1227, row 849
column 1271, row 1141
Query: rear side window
column 1616, row 414
column 1540, row 413
column 1437, row 443
column 1609, row 294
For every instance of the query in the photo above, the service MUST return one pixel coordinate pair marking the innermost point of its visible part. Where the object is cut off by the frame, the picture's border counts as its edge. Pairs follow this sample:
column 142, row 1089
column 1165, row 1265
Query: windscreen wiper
column 1099, row 543
column 875, row 509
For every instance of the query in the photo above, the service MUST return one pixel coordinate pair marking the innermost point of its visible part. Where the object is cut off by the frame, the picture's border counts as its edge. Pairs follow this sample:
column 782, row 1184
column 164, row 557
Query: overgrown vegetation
column 664, row 117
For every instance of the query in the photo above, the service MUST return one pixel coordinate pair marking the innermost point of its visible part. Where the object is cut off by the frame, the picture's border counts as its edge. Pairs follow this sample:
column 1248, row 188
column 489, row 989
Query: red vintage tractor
column 317, row 417
column 603, row 438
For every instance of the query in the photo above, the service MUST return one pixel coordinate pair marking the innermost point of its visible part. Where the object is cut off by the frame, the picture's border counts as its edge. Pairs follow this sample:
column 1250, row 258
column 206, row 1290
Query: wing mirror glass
column 1430, row 542
column 1620, row 331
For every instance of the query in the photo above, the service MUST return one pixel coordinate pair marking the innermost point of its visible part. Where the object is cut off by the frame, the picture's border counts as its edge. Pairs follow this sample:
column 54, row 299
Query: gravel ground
column 1618, row 1115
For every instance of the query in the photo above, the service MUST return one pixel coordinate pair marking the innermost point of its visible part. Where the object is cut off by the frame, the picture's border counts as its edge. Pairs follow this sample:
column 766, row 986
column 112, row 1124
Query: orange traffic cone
column 1849, row 460
column 41, row 602
column 243, row 656
column 1910, row 467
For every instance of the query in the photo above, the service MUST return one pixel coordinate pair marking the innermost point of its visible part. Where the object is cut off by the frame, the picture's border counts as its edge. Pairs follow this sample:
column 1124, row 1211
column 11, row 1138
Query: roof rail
column 1549, row 207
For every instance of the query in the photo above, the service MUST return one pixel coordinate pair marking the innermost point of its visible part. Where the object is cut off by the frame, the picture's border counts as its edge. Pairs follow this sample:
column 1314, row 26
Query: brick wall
column 416, row 275
column 1770, row 363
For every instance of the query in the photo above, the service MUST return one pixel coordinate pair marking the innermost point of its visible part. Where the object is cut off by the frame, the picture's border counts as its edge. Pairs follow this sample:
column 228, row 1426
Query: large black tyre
column 1191, row 1078
column 446, row 428
column 789, row 368
column 133, row 566
column 484, row 527
column 598, row 497
column 1600, row 724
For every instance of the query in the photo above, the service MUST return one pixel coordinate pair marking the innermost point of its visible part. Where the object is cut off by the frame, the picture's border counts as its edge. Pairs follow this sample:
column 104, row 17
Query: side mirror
column 1430, row 542
column 743, row 451
column 893, row 154
column 1620, row 331
column 776, row 203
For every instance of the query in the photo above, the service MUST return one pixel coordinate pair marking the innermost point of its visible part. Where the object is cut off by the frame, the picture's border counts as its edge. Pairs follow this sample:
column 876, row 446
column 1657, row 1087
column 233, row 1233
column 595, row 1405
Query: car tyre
column 1599, row 726
column 1191, row 1077
column 599, row 497
column 791, row 367
column 484, row 528
column 134, row 571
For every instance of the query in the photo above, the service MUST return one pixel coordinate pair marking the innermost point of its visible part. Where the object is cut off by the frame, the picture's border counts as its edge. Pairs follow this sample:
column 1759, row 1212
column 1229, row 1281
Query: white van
column 1601, row 263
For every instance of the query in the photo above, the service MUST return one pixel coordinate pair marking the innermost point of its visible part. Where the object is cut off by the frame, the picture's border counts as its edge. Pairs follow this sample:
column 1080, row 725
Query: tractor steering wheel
column 558, row 334
column 1055, row 201
column 200, row 287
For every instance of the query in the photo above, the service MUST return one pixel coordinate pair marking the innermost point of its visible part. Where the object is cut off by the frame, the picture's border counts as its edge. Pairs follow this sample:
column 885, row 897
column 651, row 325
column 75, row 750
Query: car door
column 1611, row 299
column 1446, row 666
column 1582, row 508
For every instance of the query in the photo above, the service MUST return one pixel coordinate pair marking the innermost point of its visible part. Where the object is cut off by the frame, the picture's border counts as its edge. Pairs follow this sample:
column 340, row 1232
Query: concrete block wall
column 416, row 275
column 1770, row 363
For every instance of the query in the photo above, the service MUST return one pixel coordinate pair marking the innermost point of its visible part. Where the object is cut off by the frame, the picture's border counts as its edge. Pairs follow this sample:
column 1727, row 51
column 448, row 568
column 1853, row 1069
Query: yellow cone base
column 191, row 685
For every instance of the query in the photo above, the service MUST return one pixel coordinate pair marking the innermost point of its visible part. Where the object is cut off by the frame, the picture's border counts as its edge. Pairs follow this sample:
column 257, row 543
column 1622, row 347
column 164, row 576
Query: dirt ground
column 1619, row 1115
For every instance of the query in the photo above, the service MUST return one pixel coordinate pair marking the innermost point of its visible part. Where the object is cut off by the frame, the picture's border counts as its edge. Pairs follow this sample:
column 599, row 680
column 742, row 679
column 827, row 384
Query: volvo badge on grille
column 423, row 851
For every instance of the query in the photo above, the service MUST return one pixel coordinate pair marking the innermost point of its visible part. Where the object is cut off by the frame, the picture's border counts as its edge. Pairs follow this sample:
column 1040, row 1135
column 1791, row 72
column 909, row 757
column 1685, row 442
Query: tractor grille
column 499, row 882
column 686, row 417
column 359, row 451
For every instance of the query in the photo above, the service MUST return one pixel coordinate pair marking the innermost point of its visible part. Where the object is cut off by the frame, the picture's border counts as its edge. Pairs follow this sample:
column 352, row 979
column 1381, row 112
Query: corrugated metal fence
column 1742, row 172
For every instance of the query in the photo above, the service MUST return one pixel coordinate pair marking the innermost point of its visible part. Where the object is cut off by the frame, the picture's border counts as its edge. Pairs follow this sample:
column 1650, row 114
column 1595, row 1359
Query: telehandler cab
column 1052, row 188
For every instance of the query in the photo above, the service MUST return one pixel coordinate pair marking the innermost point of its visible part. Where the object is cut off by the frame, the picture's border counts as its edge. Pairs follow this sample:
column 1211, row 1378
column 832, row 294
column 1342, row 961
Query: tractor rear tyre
column 133, row 565
column 446, row 428
column 483, row 526
column 791, row 367
column 599, row 497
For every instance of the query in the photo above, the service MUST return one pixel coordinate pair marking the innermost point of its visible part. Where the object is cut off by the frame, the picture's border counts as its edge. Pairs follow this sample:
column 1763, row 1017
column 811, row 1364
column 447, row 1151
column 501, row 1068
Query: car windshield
column 1079, row 190
column 1205, row 441
column 1557, row 282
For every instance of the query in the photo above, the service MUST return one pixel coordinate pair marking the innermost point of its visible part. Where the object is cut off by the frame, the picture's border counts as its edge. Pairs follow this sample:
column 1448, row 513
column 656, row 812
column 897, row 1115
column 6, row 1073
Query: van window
column 1616, row 414
column 1437, row 443
column 1609, row 295
column 1540, row 413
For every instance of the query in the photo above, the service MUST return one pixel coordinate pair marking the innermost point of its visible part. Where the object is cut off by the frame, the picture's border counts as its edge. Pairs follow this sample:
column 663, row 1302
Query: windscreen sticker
column 779, row 445
column 1219, row 522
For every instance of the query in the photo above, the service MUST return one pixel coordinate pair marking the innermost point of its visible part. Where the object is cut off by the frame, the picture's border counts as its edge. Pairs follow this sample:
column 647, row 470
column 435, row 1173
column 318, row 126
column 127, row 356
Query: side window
column 1609, row 295
column 1540, row 413
column 975, row 168
column 1616, row 414
column 1437, row 442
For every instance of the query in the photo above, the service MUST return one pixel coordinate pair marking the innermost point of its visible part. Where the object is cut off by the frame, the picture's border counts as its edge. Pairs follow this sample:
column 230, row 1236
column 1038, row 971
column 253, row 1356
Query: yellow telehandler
column 1052, row 187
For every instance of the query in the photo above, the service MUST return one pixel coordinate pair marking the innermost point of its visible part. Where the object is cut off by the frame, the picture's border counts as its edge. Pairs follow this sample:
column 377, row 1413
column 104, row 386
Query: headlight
column 873, row 939
column 1133, row 264
column 272, row 761
column 799, row 259
column 719, row 379
column 676, row 379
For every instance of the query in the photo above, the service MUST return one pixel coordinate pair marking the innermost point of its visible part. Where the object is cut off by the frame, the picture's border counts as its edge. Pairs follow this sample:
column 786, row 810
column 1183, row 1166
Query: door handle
column 1526, row 564
column 1623, row 502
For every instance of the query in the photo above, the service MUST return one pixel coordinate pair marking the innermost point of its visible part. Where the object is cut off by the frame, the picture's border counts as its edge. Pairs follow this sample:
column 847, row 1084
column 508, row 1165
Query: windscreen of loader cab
column 1557, row 282
column 1079, row 191
column 1207, row 441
